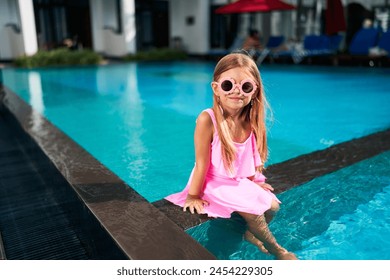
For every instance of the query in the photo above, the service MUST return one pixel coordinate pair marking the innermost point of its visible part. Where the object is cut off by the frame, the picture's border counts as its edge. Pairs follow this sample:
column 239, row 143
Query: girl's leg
column 257, row 225
column 269, row 215
column 248, row 236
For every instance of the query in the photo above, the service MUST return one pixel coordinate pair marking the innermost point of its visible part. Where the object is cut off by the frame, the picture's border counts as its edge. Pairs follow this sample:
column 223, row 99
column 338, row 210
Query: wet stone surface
column 297, row 171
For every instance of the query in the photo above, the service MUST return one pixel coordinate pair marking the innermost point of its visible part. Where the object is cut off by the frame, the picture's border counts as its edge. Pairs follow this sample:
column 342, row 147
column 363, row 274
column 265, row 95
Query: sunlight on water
column 361, row 235
column 342, row 215
column 138, row 119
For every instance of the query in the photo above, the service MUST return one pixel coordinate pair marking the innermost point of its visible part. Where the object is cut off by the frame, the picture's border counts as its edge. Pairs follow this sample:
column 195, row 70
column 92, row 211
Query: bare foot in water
column 252, row 239
column 286, row 255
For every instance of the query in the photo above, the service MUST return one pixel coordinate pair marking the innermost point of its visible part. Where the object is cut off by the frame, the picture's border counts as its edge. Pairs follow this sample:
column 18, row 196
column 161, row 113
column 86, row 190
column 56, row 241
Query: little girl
column 230, row 150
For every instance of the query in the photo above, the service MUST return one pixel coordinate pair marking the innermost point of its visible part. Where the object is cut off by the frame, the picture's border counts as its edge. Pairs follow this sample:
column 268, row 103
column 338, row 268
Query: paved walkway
column 40, row 218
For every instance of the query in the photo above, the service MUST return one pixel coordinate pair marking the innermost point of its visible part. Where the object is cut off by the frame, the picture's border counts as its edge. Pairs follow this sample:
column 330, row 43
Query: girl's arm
column 202, row 139
column 260, row 179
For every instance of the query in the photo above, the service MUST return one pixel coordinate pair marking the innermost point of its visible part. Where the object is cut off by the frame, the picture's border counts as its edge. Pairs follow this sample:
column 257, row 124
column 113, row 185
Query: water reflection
column 138, row 118
column 119, row 84
column 36, row 101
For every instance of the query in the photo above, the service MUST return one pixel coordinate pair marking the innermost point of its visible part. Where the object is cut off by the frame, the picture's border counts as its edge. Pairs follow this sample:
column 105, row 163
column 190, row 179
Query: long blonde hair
column 254, row 112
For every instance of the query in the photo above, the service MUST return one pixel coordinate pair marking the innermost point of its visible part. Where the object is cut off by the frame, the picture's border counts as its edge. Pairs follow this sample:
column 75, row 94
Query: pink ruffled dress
column 228, row 193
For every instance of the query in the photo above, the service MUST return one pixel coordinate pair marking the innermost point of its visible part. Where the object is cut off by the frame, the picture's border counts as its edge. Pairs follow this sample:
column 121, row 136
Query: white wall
column 6, row 16
column 113, row 42
column 16, row 43
column 195, row 36
column 105, row 37
column 366, row 3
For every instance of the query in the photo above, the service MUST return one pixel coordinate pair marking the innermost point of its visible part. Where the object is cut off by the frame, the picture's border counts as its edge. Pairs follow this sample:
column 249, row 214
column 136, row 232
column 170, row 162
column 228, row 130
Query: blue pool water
column 344, row 215
column 138, row 119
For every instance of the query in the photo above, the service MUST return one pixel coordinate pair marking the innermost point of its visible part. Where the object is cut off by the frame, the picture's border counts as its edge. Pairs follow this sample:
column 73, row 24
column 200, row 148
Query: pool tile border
column 139, row 229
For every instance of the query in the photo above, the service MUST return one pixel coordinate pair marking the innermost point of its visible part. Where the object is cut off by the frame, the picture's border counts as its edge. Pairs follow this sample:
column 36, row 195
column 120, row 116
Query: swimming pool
column 138, row 119
column 340, row 216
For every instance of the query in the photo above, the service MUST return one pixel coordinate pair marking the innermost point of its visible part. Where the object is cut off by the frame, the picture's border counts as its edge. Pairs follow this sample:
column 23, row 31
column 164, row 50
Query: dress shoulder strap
column 211, row 113
column 256, row 155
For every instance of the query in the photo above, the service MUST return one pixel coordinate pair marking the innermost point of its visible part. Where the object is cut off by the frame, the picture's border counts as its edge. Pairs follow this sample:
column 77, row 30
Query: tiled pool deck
column 139, row 229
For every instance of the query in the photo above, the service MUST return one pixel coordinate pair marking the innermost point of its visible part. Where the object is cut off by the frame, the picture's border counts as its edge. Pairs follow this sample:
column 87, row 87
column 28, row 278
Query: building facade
column 119, row 27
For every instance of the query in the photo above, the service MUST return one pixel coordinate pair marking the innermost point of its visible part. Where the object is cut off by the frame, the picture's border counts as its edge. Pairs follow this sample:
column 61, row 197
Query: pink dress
column 228, row 193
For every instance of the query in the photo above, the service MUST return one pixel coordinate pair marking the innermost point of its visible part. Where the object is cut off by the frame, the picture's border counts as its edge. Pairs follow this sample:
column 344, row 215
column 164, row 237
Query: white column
column 204, row 28
column 128, row 24
column 244, row 22
column 317, row 20
column 27, row 23
column 96, row 12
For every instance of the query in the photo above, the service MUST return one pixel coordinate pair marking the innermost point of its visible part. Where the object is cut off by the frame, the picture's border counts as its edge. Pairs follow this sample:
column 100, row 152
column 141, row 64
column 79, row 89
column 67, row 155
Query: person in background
column 252, row 43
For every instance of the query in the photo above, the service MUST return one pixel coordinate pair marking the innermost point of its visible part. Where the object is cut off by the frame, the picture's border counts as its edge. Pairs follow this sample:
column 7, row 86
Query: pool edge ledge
column 139, row 229
column 294, row 172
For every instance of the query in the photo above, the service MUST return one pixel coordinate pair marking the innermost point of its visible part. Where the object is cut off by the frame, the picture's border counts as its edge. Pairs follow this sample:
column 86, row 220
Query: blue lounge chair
column 273, row 42
column 335, row 41
column 313, row 45
column 237, row 44
column 384, row 42
column 363, row 40
column 318, row 45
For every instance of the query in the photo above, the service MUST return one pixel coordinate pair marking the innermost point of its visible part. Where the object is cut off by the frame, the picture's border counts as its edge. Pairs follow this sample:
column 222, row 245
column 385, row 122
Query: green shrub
column 59, row 57
column 157, row 55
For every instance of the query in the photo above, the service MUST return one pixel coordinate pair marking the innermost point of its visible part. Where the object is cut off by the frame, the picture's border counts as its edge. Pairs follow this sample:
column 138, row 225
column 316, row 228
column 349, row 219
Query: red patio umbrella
column 251, row 6
column 334, row 17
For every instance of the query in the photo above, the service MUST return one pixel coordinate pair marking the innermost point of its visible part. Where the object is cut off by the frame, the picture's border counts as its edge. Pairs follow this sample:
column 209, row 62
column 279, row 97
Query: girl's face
column 242, row 92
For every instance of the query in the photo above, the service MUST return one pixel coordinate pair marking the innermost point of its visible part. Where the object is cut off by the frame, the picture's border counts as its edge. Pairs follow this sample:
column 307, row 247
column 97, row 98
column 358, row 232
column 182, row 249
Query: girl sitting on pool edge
column 230, row 151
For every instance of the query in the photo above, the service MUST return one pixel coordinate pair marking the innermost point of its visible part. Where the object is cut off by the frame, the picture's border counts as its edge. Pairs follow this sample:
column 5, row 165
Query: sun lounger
column 318, row 45
column 237, row 43
column 312, row 46
column 273, row 43
column 384, row 42
column 363, row 40
column 364, row 48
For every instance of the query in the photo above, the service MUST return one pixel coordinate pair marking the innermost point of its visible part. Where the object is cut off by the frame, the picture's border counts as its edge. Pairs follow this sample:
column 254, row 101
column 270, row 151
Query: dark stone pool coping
column 155, row 231
column 139, row 229
column 297, row 171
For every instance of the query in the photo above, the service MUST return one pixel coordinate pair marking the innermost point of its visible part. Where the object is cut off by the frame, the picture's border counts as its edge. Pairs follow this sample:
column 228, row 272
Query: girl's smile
column 235, row 96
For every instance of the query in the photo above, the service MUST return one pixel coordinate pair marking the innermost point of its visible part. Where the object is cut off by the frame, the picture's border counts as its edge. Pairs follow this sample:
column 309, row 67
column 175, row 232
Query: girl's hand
column 266, row 186
column 194, row 203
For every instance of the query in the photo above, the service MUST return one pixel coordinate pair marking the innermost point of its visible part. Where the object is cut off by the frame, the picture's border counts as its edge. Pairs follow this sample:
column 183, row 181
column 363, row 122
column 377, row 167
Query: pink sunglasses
column 247, row 87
